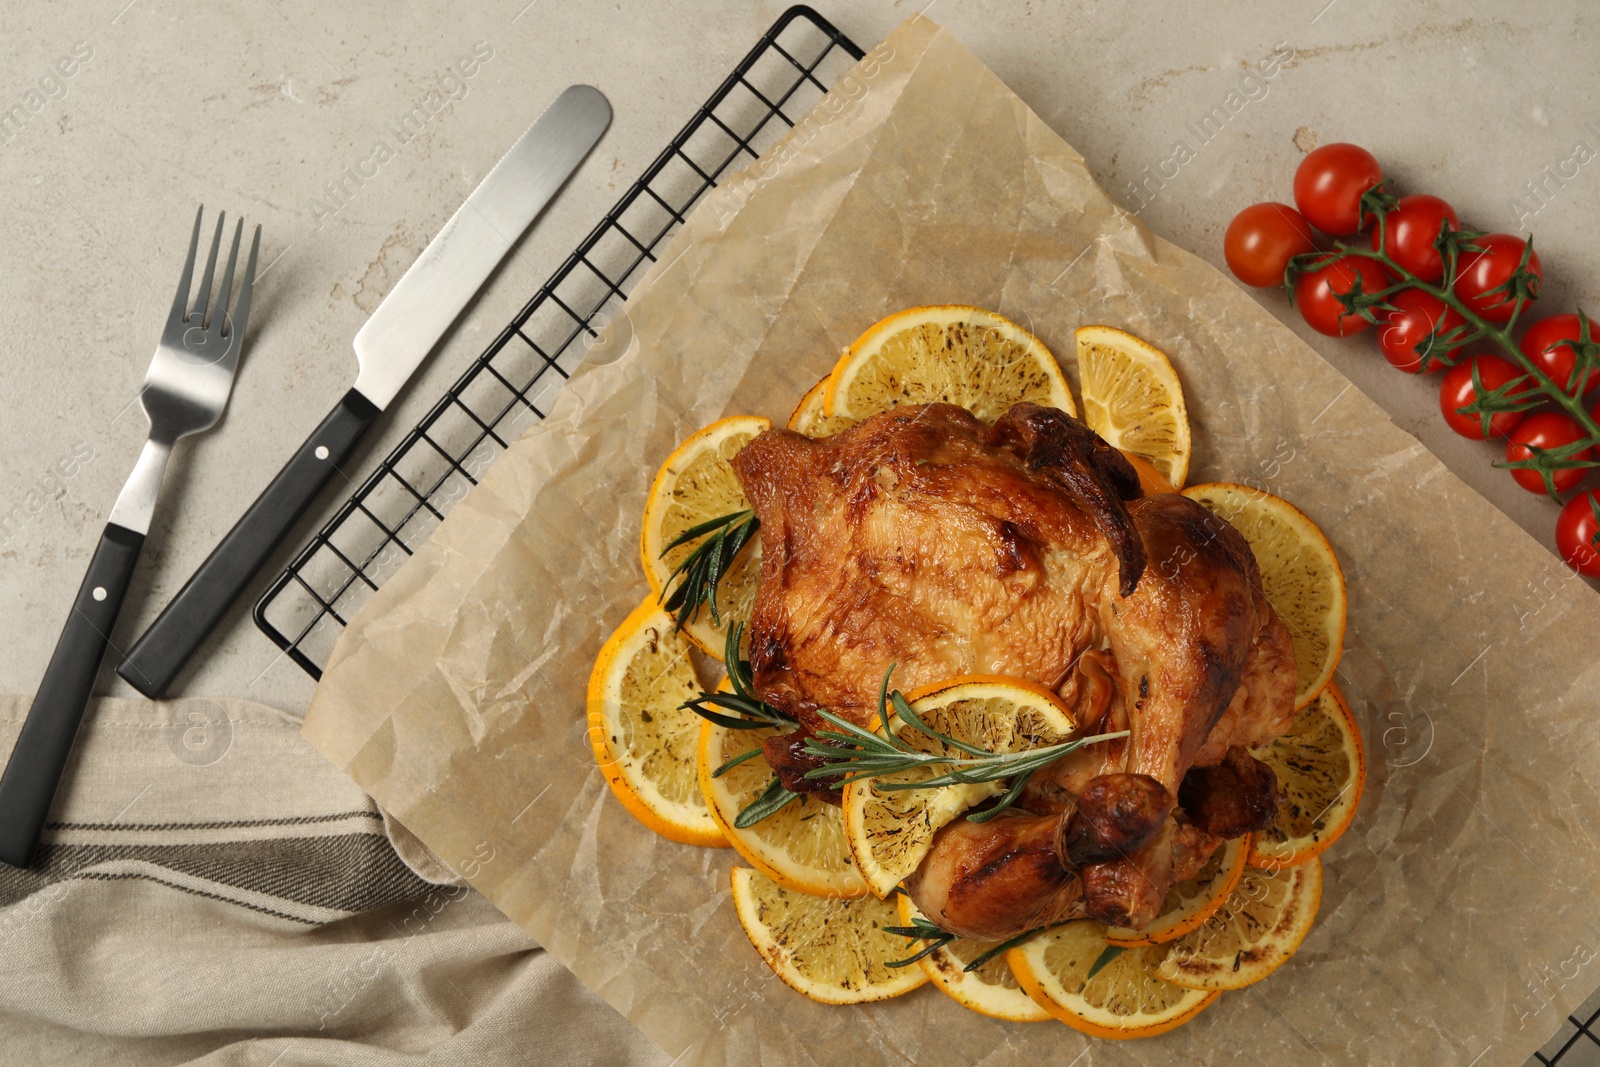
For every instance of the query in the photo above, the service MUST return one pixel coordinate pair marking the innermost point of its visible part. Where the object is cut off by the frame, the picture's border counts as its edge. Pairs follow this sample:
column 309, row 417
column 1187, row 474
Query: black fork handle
column 29, row 783
column 184, row 624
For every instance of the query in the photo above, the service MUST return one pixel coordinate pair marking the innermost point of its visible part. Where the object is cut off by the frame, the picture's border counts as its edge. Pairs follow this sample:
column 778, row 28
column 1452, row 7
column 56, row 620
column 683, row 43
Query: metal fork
column 184, row 392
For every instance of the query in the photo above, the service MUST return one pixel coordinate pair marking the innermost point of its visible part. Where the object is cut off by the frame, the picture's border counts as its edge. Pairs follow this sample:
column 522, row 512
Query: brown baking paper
column 1458, row 916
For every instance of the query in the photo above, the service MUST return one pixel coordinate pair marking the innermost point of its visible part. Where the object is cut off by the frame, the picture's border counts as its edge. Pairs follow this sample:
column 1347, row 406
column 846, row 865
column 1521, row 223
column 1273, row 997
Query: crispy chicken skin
column 925, row 539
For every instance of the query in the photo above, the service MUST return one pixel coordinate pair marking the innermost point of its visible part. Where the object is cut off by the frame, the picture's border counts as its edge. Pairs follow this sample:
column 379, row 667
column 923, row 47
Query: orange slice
column 801, row 846
column 642, row 739
column 1266, row 917
column 1322, row 768
column 990, row 989
column 811, row 419
column 832, row 949
column 1133, row 399
column 1299, row 574
column 697, row 484
column 950, row 353
column 1122, row 999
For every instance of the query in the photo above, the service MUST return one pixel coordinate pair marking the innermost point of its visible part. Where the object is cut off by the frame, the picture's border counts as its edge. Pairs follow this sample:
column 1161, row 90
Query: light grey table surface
column 260, row 107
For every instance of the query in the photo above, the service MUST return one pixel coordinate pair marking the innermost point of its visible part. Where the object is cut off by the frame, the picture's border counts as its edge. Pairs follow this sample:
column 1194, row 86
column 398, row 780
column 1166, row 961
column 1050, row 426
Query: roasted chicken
column 925, row 539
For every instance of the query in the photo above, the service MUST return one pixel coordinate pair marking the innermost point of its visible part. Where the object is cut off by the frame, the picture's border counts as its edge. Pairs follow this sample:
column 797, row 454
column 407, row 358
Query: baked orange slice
column 811, row 419
column 1266, row 917
column 891, row 829
column 801, row 846
column 643, row 740
column 832, row 949
column 1322, row 769
column 947, row 353
column 695, row 485
column 988, row 989
column 1133, row 399
column 1103, row 989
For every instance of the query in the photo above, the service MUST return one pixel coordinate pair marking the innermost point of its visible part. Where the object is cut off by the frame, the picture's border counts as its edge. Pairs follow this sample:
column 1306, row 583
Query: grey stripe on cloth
column 350, row 872
column 211, row 890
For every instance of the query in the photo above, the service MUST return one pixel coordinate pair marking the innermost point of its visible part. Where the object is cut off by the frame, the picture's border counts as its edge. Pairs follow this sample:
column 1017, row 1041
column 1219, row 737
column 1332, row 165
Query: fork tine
column 202, row 301
column 219, row 323
column 180, row 302
column 241, row 308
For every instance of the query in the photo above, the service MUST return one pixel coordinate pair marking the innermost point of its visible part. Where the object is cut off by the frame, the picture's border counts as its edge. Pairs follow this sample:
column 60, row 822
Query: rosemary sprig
column 750, row 711
column 853, row 754
column 919, row 930
column 936, row 938
column 703, row 568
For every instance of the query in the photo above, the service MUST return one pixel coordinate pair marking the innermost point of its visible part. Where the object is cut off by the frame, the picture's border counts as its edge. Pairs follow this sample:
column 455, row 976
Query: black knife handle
column 40, row 755
column 184, row 624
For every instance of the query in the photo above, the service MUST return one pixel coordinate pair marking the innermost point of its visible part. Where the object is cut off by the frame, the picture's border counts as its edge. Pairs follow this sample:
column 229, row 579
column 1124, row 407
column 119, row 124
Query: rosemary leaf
column 1104, row 959
column 1004, row 946
column 699, row 531
column 772, row 800
column 903, row 708
column 927, row 950
column 716, row 560
column 735, row 761
column 919, row 930
column 729, row 721
column 1010, row 798
column 754, row 709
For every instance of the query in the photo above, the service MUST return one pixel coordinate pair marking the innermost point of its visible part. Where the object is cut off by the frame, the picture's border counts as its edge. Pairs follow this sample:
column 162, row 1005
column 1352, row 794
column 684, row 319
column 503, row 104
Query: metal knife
column 389, row 348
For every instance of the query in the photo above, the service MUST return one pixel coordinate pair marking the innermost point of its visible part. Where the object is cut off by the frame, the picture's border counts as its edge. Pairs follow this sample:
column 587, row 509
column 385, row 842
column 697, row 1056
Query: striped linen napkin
column 211, row 890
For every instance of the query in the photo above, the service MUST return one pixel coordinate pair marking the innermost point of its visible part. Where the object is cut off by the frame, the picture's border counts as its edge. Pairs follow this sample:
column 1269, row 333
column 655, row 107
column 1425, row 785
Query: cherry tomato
column 1317, row 294
column 1480, row 272
column 1260, row 241
column 1548, row 343
column 1410, row 230
column 1328, row 186
column 1578, row 533
column 1546, row 429
column 1418, row 316
column 1456, row 391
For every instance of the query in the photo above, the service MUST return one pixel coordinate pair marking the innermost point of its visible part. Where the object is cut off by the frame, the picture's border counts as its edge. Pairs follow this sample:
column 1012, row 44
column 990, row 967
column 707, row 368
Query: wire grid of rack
column 513, row 382
column 517, row 376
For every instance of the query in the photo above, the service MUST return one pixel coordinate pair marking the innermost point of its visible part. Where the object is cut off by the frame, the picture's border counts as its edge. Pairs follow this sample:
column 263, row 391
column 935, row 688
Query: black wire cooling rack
column 516, row 377
column 512, row 383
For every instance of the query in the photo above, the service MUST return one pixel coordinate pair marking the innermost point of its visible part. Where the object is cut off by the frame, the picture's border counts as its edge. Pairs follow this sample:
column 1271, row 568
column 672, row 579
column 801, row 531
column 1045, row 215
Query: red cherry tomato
column 1546, row 429
column 1420, row 314
column 1549, row 344
column 1328, row 185
column 1317, row 294
column 1260, row 241
column 1456, row 391
column 1578, row 533
column 1410, row 231
column 1481, row 272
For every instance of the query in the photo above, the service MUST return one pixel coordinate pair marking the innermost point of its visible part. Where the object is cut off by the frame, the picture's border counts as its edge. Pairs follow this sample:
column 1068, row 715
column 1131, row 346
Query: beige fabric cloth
column 213, row 891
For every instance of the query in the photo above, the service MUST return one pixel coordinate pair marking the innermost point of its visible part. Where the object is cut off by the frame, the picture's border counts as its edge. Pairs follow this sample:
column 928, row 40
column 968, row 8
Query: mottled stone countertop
column 117, row 118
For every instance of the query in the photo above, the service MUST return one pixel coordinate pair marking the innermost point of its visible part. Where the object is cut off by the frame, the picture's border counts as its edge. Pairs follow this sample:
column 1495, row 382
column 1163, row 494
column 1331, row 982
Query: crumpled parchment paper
column 1458, row 917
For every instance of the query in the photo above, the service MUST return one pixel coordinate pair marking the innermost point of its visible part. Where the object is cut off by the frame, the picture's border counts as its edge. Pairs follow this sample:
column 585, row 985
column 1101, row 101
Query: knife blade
column 393, row 343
